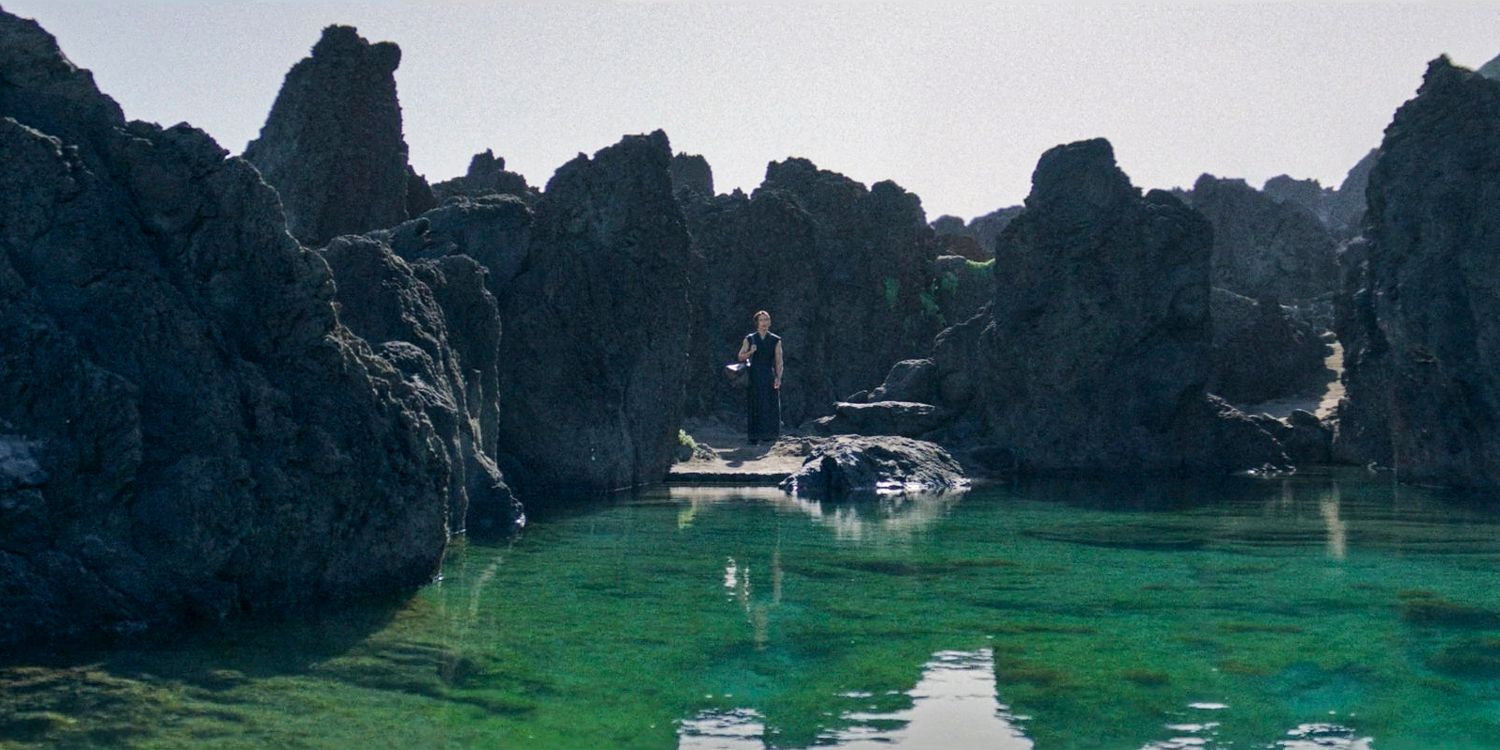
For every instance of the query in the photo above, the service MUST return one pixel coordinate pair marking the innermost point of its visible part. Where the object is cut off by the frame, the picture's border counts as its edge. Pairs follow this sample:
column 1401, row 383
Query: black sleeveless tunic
column 763, row 401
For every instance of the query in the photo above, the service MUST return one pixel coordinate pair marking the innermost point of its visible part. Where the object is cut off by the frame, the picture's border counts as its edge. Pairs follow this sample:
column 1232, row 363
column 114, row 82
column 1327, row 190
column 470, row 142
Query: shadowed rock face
column 191, row 431
column 1260, row 352
column 845, row 271
column 332, row 145
column 1264, row 248
column 1341, row 209
column 1096, row 350
column 1421, row 314
column 691, row 172
column 597, row 326
column 984, row 230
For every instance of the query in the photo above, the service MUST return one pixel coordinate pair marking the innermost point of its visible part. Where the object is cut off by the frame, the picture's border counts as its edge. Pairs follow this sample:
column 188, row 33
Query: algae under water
column 1305, row 612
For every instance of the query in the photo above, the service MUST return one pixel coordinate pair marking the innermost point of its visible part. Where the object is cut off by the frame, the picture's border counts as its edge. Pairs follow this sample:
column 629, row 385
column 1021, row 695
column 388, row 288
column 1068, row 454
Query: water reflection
column 953, row 705
column 877, row 519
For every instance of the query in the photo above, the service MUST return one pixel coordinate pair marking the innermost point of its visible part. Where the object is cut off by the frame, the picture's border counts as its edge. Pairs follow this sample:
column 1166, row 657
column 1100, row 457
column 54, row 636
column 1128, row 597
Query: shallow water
column 1312, row 612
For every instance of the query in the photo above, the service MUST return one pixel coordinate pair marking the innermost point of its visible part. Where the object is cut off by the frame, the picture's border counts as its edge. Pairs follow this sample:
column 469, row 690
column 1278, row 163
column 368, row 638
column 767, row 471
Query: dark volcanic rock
column 597, row 326
column 1260, row 352
column 435, row 322
column 691, row 172
column 188, row 429
column 962, row 286
column 332, row 145
column 1339, row 209
column 909, row 380
column 1421, row 316
column 846, row 273
column 864, row 465
column 1262, row 248
column 903, row 418
column 492, row 229
column 487, row 175
column 1491, row 69
column 984, row 230
column 1096, row 350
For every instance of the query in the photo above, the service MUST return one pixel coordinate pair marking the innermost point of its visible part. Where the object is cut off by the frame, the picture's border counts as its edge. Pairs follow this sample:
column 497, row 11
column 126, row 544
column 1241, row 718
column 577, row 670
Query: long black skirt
column 763, row 409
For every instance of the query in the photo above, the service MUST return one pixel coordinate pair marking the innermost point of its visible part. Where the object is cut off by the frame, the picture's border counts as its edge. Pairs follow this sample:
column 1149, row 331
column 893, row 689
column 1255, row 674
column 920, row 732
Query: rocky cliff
column 190, row 430
column 1420, row 318
column 1265, row 248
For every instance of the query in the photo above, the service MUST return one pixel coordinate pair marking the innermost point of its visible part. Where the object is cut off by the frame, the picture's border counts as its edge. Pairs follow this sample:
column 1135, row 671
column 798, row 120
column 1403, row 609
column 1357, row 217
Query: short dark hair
column 757, row 315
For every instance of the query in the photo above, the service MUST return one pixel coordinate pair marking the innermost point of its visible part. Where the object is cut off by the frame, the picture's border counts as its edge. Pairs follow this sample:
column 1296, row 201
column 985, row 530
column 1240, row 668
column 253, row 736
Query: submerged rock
column 332, row 145
column 207, row 437
column 1420, row 317
column 875, row 465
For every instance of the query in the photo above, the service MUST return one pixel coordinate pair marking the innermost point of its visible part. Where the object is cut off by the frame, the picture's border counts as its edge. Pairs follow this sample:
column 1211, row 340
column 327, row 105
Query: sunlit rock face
column 1263, row 248
column 597, row 325
column 846, row 272
column 332, row 145
column 187, row 431
column 1420, row 319
column 1095, row 353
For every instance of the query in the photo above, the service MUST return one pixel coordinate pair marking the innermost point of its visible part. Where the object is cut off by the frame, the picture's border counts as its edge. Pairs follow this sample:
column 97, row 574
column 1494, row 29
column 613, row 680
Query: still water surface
column 1313, row 612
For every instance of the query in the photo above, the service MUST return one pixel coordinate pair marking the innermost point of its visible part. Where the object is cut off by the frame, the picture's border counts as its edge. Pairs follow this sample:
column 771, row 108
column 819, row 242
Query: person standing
column 762, row 349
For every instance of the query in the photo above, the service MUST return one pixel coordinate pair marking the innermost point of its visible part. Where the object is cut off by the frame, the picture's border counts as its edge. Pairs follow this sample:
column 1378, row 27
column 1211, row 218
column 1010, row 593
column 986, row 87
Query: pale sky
column 955, row 102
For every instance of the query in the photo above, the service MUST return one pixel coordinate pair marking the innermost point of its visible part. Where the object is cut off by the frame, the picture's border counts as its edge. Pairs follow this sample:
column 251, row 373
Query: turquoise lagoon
column 1315, row 611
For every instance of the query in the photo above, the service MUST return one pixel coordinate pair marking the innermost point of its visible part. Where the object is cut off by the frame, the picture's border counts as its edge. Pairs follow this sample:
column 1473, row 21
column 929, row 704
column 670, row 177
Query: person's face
column 763, row 323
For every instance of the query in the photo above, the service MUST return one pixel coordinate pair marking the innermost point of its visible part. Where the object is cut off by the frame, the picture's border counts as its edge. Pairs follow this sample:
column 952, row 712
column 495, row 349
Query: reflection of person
column 762, row 350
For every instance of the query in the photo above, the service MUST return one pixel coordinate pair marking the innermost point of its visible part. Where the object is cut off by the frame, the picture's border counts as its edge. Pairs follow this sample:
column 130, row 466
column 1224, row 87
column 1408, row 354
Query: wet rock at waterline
column 1420, row 313
column 197, row 433
column 332, row 145
column 849, row 465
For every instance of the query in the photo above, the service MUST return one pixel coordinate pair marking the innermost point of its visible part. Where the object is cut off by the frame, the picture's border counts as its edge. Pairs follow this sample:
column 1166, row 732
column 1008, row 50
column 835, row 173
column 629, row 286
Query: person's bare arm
column 746, row 349
column 777, row 384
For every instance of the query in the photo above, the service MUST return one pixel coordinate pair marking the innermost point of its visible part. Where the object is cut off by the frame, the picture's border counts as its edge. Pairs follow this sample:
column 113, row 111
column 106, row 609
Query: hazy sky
column 954, row 102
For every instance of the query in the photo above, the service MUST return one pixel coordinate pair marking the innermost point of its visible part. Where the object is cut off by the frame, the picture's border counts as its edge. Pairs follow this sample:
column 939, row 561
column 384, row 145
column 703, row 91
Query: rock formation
column 845, row 271
column 984, row 230
column 332, row 145
column 1339, row 209
column 597, row 328
column 1420, row 319
column 1491, row 69
column 691, row 172
column 187, row 431
column 1095, row 353
column 844, row 466
column 438, row 325
column 1260, row 352
column 487, row 175
column 1263, row 248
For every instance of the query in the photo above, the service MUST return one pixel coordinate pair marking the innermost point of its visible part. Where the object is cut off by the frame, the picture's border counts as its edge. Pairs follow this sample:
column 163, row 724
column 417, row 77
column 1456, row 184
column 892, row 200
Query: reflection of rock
column 1260, row 352
column 875, row 465
column 332, row 145
column 210, row 438
column 1420, row 316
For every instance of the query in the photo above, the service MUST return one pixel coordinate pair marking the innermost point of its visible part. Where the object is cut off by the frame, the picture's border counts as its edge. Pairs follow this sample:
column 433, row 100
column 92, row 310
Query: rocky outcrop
column 1263, row 248
column 332, row 145
column 494, row 230
column 1261, row 352
column 844, row 466
column 435, row 322
column 691, row 172
column 597, row 334
column 487, row 175
column 845, row 271
column 1420, row 319
column 1095, row 353
column 1340, row 209
column 962, row 286
column 904, row 418
column 1491, row 69
column 189, row 430
column 983, row 230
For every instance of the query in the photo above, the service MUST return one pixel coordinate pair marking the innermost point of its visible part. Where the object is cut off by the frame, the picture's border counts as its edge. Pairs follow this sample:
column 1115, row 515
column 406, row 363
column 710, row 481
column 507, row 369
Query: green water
column 1324, row 611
